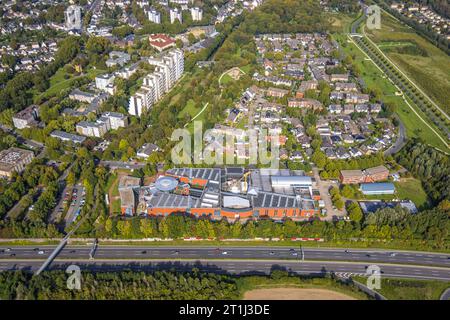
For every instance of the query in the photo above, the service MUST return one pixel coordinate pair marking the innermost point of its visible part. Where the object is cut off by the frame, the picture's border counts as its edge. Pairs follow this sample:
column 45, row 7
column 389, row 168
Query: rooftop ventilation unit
column 165, row 183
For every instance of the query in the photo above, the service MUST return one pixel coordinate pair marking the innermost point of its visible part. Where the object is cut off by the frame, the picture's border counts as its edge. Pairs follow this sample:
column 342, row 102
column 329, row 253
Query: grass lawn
column 385, row 197
column 430, row 72
column 411, row 189
column 115, row 206
column 112, row 185
column 341, row 22
column 58, row 83
column 190, row 109
column 246, row 68
column 402, row 289
column 243, row 121
column 111, row 180
column 226, row 78
column 374, row 78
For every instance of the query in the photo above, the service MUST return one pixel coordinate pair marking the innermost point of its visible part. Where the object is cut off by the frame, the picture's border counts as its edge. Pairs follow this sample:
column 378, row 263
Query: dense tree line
column 16, row 93
column 37, row 173
column 346, row 6
column 159, row 285
column 430, row 166
column 287, row 16
column 384, row 225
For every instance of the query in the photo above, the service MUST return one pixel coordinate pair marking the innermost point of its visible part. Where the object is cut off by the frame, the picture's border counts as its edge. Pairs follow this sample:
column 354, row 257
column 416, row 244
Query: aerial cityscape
column 224, row 150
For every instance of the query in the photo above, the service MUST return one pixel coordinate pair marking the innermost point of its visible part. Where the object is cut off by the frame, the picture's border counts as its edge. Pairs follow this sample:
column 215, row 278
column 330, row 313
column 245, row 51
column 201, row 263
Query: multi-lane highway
column 245, row 253
column 241, row 267
column 239, row 259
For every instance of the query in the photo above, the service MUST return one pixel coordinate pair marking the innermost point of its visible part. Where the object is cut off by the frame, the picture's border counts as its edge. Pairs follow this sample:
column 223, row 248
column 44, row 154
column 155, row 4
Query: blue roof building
column 377, row 188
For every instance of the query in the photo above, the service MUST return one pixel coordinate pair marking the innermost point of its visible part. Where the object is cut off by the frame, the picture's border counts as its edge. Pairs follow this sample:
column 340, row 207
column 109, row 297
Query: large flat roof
column 170, row 200
column 351, row 173
column 376, row 170
column 377, row 187
column 205, row 173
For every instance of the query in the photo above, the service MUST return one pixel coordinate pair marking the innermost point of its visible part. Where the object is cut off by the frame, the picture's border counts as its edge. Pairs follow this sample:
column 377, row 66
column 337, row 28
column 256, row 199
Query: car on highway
column 176, row 252
column 144, row 251
column 7, row 249
column 41, row 252
column 392, row 254
column 12, row 255
column 271, row 253
column 225, row 252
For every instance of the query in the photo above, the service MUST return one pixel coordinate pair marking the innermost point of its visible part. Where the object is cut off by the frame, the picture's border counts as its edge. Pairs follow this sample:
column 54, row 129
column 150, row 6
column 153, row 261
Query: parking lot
column 324, row 186
column 74, row 197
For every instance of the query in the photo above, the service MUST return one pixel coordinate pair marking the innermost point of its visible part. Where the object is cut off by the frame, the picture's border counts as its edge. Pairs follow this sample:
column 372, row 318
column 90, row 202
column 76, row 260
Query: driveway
column 323, row 186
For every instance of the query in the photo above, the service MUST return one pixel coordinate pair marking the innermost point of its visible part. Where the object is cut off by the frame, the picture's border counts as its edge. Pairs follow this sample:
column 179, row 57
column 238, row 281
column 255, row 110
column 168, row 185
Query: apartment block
column 196, row 14
column 92, row 129
column 169, row 68
column 26, row 117
column 14, row 160
column 175, row 14
column 104, row 81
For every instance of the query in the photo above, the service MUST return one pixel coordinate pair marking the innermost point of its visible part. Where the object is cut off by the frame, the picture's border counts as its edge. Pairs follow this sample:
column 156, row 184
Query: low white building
column 102, row 81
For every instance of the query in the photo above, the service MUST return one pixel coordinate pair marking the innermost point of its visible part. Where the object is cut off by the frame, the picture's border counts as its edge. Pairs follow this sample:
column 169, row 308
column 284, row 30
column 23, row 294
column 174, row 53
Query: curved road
column 445, row 295
column 401, row 139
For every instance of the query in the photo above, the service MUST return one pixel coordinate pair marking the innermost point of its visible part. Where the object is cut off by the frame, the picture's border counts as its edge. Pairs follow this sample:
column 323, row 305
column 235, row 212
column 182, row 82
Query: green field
column 431, row 72
column 115, row 206
column 243, row 121
column 374, row 78
column 412, row 189
column 400, row 289
column 225, row 79
column 246, row 68
column 190, row 109
column 58, row 83
column 340, row 23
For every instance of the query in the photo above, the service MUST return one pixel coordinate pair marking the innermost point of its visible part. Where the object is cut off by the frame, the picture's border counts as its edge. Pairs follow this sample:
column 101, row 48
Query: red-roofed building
column 161, row 41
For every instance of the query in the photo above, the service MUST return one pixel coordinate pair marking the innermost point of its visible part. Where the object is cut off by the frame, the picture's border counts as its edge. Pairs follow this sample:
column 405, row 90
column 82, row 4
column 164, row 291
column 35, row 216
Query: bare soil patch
column 295, row 294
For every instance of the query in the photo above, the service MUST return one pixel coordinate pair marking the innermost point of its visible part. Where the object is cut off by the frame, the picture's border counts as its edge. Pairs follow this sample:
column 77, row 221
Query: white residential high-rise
column 175, row 14
column 154, row 16
column 196, row 13
column 169, row 69
column 72, row 17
